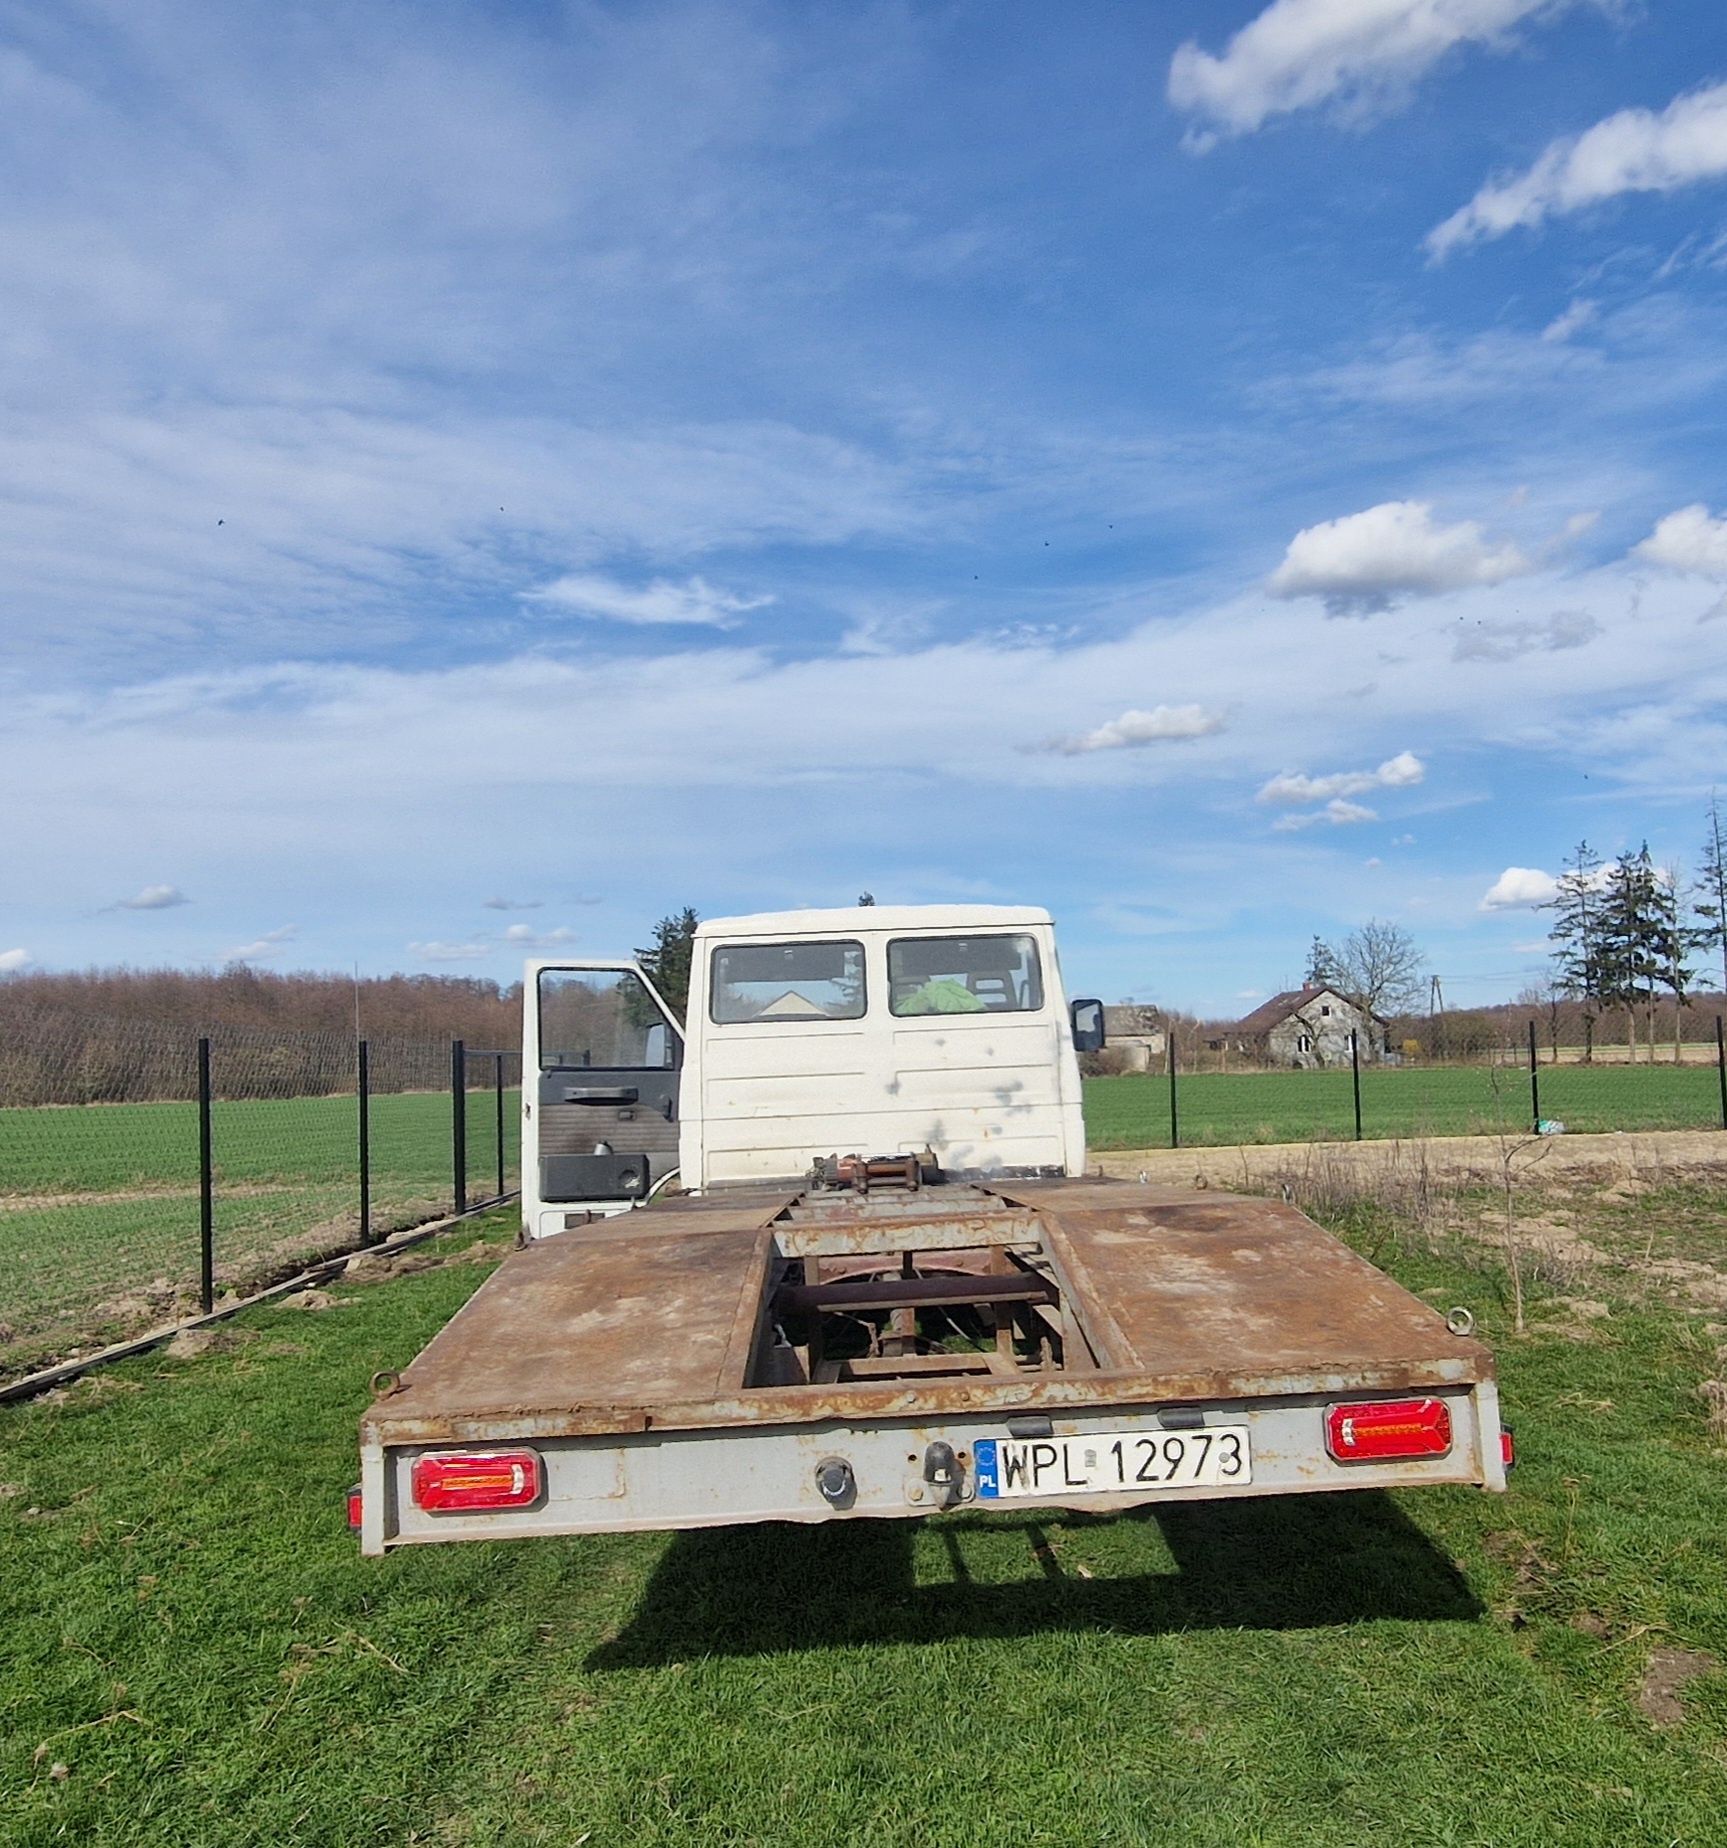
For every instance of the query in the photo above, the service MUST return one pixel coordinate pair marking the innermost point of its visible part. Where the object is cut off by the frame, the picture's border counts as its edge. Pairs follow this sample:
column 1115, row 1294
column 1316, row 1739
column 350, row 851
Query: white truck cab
column 933, row 1030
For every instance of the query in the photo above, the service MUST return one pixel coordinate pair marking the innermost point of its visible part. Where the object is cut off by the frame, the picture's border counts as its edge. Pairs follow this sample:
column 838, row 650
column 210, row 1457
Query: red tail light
column 476, row 1481
column 1385, row 1430
column 1508, row 1447
column 354, row 1507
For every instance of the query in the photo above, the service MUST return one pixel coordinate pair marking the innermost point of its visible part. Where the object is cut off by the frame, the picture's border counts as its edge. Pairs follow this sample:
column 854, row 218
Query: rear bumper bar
column 720, row 1477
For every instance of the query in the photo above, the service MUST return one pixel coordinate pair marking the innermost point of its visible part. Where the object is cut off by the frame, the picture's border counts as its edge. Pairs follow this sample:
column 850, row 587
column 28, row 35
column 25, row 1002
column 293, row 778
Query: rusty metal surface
column 914, row 1292
column 1186, row 1281
column 652, row 1320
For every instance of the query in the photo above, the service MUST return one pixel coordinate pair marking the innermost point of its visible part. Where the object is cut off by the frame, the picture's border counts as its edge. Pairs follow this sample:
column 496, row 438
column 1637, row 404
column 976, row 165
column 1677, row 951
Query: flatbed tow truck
column 960, row 1318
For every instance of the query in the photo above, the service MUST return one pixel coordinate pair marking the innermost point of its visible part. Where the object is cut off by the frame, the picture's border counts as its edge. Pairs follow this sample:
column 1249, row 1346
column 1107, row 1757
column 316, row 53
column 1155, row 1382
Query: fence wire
column 492, row 1119
column 100, row 1194
column 1503, row 1091
column 100, row 1174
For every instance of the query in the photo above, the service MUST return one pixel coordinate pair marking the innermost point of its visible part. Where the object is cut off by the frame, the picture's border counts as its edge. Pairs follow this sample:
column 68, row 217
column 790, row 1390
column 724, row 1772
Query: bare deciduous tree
column 1380, row 967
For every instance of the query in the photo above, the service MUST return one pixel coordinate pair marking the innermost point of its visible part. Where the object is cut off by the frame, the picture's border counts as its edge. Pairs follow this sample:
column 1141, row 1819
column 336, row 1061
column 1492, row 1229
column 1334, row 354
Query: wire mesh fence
column 1505, row 1090
column 491, row 1120
column 146, row 1174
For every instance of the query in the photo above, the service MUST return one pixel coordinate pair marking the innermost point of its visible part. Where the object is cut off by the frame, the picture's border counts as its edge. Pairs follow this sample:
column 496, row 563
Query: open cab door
column 601, row 1059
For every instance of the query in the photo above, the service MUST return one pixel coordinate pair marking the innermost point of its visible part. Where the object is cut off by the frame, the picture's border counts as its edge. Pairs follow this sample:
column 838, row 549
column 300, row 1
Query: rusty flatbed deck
column 657, row 1320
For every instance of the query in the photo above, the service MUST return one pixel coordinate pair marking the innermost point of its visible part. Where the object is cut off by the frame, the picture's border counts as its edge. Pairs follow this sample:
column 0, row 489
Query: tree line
column 1625, row 931
column 427, row 1007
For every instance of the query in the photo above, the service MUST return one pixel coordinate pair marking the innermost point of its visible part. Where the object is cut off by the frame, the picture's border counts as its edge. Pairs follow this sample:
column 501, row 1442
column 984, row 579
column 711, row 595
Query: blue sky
column 474, row 478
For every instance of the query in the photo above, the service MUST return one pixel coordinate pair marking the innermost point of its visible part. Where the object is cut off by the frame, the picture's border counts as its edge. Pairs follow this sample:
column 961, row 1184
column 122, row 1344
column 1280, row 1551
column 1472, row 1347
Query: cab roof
column 851, row 919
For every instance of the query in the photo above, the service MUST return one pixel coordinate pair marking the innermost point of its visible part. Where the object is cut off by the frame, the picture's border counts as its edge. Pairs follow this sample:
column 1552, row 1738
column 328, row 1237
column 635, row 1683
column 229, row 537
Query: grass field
column 1231, row 1107
column 99, row 1205
column 196, row 1654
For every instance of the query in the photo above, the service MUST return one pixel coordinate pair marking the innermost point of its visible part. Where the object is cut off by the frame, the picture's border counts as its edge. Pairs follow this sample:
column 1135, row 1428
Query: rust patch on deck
column 654, row 1319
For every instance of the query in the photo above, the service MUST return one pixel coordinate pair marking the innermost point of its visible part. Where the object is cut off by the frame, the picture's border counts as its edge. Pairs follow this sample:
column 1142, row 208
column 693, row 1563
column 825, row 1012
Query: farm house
column 1138, row 1034
column 1308, row 1028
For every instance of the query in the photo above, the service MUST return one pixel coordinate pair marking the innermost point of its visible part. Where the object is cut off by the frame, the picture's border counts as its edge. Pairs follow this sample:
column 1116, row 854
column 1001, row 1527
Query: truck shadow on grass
column 1271, row 1564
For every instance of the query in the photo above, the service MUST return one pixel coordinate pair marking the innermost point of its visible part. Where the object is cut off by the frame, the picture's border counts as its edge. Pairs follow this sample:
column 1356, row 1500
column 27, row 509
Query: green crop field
column 99, row 1212
column 197, row 1656
column 1234, row 1107
column 99, row 1204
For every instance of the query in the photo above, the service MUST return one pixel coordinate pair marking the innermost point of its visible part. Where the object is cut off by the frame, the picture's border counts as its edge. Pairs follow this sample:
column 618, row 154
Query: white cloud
column 1403, row 771
column 1363, row 54
column 695, row 600
column 155, row 898
column 1577, row 316
column 525, row 937
column 1364, row 561
column 1337, row 813
column 272, row 943
column 1689, row 540
column 511, row 904
column 435, row 951
column 1507, row 640
column 1162, row 724
column 1633, row 151
column 1519, row 887
column 13, row 960
column 676, row 743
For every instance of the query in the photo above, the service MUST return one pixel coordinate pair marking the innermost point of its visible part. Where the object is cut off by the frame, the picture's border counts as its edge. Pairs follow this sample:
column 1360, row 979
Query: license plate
column 1112, row 1462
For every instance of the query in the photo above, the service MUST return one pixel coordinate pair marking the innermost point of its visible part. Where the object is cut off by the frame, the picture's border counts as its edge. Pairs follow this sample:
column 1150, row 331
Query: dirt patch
column 121, row 1196
column 1665, row 1678
column 1576, row 1236
column 381, row 1266
column 189, row 1343
column 310, row 1299
column 1576, row 1318
column 1713, row 1393
column 1628, row 1161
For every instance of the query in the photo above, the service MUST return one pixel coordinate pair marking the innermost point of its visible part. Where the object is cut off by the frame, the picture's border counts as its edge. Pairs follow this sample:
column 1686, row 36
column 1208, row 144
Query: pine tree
column 1675, row 941
column 667, row 959
column 1577, row 934
column 1321, row 965
column 1711, row 905
column 1631, row 939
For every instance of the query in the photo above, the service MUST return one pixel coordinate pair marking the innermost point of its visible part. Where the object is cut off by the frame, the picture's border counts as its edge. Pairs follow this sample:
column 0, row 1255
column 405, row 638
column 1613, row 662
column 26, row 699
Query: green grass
column 99, row 1205
column 108, row 1148
column 193, row 1636
column 1223, row 1108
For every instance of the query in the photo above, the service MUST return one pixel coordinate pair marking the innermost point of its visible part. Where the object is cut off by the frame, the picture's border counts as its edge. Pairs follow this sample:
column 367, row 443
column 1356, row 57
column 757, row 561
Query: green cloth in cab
column 945, row 996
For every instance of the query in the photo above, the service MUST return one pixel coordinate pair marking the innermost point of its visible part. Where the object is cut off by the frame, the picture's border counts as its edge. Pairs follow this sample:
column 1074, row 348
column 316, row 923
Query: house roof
column 1278, row 1009
column 1126, row 1021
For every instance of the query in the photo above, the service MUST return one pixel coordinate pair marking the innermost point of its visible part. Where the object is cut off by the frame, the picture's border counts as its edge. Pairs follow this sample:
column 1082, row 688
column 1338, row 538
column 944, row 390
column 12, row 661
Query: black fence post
column 206, row 1187
column 1355, row 1078
column 365, row 1144
column 500, row 1097
column 1174, row 1120
column 1534, row 1085
column 1721, row 1068
column 459, row 1122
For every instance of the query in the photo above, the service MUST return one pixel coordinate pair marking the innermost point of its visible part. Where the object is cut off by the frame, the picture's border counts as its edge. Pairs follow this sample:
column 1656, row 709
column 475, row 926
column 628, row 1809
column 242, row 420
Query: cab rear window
column 996, row 974
column 787, row 981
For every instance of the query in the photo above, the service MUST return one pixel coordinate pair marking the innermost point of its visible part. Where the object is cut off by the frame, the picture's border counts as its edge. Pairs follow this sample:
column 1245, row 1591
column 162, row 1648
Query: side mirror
column 1087, row 1021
